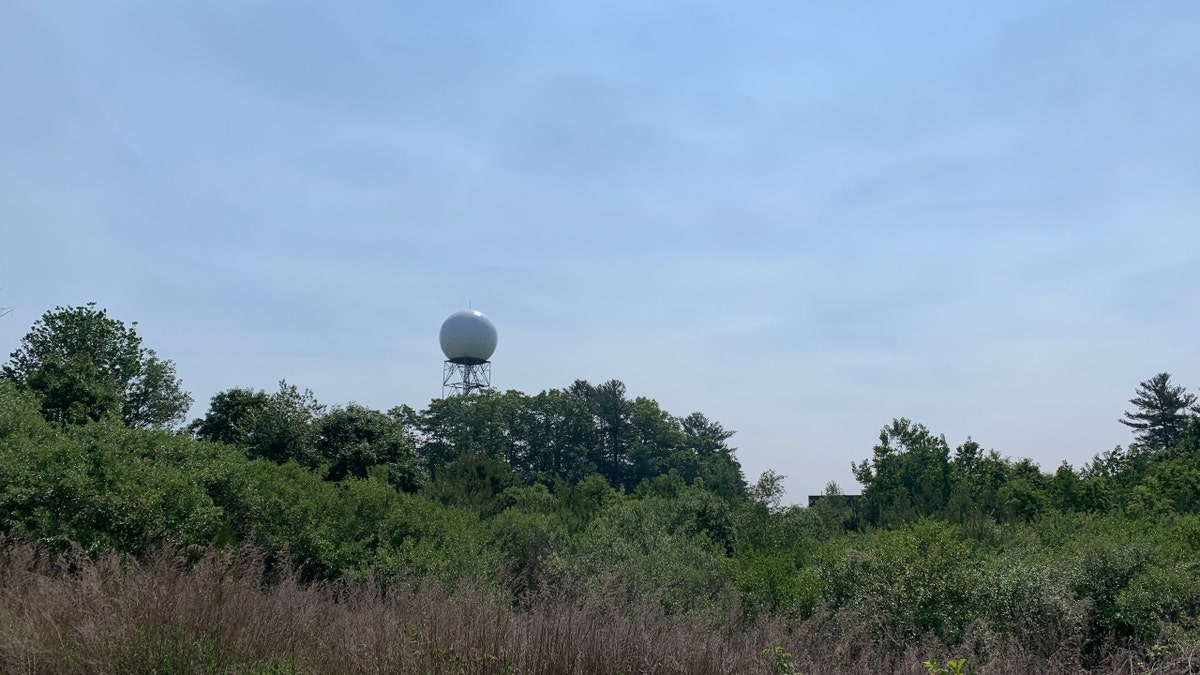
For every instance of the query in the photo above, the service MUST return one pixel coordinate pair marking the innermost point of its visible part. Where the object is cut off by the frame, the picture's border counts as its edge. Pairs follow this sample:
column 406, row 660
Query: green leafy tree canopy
column 908, row 476
column 85, row 366
column 279, row 426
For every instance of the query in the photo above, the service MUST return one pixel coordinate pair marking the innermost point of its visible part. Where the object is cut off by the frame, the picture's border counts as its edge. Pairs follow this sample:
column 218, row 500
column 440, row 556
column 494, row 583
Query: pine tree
column 1163, row 412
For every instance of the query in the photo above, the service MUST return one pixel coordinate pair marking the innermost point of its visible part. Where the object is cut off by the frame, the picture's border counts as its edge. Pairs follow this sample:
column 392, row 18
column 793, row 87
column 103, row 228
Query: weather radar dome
column 468, row 338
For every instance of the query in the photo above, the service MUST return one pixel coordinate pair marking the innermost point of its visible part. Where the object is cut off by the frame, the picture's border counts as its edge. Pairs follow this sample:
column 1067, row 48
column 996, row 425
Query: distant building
column 849, row 500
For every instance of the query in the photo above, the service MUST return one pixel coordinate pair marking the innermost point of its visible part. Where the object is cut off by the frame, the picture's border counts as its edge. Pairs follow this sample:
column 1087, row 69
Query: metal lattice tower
column 468, row 339
column 464, row 378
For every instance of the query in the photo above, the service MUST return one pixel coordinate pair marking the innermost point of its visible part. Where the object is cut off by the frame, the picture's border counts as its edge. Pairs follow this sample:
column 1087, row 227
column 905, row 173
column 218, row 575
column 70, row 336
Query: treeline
column 558, row 437
column 913, row 474
column 96, row 455
column 587, row 498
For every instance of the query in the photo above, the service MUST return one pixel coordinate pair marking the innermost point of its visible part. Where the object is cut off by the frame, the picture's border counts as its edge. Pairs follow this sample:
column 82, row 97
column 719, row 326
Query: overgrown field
column 573, row 531
column 226, row 612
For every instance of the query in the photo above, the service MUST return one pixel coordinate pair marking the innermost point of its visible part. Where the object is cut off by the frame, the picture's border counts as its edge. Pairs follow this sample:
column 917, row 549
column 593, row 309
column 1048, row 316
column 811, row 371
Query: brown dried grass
column 225, row 611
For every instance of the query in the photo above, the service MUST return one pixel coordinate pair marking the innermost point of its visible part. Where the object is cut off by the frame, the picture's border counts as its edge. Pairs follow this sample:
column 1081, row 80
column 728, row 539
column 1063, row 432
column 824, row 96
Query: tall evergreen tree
column 612, row 415
column 1162, row 412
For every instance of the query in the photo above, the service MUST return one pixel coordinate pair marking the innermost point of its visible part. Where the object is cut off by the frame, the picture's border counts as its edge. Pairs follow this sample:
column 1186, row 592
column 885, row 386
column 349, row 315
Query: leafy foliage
column 587, row 494
column 352, row 441
column 85, row 366
column 279, row 427
column 909, row 475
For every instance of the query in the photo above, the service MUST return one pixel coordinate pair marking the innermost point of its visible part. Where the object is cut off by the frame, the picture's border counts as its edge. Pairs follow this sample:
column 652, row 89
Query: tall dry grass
column 225, row 611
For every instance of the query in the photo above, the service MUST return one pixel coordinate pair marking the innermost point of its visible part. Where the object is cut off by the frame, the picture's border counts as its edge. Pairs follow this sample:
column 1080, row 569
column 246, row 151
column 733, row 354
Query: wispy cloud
column 801, row 219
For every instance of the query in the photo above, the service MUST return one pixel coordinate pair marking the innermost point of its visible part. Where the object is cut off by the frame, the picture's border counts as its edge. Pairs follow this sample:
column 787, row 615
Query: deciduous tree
column 85, row 366
column 908, row 476
column 353, row 439
column 278, row 426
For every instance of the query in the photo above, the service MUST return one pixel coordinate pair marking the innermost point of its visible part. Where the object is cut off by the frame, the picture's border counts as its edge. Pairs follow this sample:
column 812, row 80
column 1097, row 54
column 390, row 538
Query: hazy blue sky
column 800, row 218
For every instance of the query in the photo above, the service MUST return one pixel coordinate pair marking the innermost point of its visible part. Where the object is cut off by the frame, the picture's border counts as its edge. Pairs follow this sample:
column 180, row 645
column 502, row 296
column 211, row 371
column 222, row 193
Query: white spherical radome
column 468, row 337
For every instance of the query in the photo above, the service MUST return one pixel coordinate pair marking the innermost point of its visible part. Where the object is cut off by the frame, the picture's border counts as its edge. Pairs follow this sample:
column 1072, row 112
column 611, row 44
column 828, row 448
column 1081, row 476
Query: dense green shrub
column 912, row 581
column 771, row 584
column 651, row 550
column 103, row 486
column 609, row 504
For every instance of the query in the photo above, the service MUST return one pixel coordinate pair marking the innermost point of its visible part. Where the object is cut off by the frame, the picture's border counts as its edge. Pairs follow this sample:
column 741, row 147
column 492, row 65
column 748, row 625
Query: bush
column 649, row 551
column 910, row 582
column 102, row 486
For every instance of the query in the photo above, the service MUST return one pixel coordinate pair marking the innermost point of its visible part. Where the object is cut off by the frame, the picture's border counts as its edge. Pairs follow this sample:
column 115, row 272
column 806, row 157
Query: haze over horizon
column 802, row 220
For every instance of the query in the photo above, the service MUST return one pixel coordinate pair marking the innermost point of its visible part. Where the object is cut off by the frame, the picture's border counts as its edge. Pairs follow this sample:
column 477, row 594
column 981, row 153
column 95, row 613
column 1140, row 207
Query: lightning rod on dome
column 468, row 339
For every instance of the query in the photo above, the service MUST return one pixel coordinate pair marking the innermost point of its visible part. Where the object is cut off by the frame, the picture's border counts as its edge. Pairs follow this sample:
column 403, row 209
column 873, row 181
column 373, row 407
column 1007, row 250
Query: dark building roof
column 850, row 500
